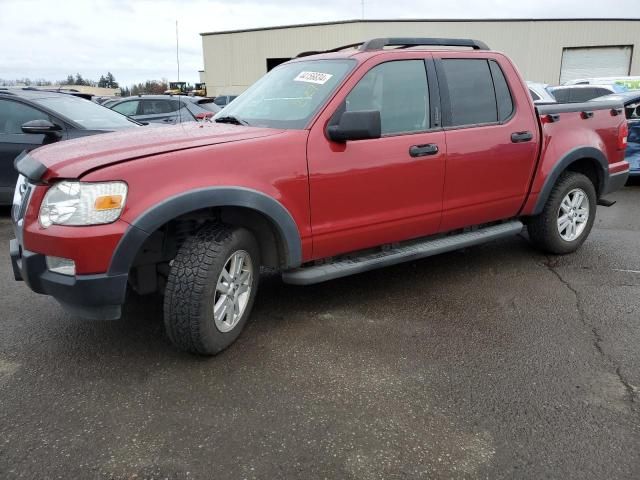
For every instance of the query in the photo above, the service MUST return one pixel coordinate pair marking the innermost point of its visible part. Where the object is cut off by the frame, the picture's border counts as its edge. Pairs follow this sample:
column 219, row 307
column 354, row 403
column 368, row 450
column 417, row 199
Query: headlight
column 81, row 203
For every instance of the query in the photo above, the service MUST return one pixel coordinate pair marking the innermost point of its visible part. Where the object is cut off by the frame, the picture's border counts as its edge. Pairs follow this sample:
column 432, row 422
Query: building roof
column 424, row 20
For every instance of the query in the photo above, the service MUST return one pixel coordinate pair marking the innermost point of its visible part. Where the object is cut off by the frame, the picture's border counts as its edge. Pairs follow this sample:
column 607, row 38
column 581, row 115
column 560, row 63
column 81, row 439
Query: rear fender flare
column 152, row 219
column 562, row 165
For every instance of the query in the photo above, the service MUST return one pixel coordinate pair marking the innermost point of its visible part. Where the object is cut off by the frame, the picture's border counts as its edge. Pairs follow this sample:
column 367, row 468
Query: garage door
column 595, row 62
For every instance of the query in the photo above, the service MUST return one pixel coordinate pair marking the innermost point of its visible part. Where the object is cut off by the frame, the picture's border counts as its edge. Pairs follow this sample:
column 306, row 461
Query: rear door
column 491, row 134
column 370, row 192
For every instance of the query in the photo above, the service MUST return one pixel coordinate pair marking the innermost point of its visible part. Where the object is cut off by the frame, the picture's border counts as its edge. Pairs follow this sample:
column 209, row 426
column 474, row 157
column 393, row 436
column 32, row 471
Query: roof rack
column 331, row 50
column 380, row 43
column 403, row 42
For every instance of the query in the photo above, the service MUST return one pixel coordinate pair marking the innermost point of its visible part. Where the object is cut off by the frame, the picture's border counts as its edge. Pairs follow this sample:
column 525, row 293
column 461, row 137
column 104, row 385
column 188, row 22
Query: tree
column 79, row 80
column 102, row 83
column 70, row 80
column 111, row 81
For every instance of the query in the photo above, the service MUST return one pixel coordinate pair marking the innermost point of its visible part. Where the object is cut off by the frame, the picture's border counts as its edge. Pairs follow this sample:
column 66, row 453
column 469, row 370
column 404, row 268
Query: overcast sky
column 135, row 39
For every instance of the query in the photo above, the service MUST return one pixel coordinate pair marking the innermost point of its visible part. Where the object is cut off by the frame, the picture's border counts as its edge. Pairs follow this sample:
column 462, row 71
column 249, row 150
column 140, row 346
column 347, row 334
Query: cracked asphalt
column 491, row 362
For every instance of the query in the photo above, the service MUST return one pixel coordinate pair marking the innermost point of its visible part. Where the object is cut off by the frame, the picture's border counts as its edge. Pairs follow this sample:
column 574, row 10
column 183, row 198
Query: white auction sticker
column 313, row 77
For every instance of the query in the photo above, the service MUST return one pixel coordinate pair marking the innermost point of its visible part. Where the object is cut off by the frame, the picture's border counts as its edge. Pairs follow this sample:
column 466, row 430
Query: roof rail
column 380, row 43
column 403, row 42
column 331, row 50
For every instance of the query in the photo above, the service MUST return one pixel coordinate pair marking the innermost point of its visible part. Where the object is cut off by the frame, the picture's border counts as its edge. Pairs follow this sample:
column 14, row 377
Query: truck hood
column 73, row 158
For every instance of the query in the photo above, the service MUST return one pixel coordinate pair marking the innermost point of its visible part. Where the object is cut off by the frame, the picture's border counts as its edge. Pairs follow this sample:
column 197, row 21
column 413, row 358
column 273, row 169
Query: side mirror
column 358, row 125
column 43, row 127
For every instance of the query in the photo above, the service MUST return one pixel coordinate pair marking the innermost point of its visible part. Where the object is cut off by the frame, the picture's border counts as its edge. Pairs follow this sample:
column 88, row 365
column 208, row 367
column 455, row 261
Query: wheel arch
column 586, row 160
column 261, row 210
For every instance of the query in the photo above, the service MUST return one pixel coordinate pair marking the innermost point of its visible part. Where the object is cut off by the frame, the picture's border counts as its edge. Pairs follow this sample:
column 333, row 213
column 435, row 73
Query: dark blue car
column 633, row 149
column 631, row 102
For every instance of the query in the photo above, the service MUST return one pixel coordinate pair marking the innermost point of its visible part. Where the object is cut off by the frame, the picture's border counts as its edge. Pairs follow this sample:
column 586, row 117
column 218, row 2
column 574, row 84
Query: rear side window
column 504, row 101
column 562, row 95
column 534, row 95
column 471, row 94
column 158, row 107
column 584, row 94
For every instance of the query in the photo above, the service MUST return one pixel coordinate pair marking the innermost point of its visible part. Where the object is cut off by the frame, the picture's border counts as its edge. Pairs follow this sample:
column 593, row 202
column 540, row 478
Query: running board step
column 404, row 253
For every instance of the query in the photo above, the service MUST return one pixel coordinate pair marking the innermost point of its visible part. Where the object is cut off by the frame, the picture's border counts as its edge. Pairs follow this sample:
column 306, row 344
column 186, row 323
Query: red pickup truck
column 332, row 164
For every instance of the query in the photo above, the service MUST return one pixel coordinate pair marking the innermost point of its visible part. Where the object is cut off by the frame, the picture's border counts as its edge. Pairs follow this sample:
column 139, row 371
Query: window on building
column 274, row 62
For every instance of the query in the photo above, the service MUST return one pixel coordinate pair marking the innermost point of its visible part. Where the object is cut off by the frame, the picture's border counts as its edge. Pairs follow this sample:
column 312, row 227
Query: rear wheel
column 567, row 217
column 211, row 288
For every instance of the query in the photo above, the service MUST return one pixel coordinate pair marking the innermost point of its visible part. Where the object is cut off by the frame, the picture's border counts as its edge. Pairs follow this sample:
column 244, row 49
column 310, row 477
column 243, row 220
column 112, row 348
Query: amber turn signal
column 108, row 202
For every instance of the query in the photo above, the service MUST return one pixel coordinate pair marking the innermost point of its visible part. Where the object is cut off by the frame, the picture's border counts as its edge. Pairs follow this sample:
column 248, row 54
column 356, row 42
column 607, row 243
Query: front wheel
column 567, row 217
column 211, row 288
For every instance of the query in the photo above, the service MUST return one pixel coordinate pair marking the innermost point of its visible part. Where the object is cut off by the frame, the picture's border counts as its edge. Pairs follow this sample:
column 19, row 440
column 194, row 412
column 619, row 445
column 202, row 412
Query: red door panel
column 488, row 174
column 371, row 192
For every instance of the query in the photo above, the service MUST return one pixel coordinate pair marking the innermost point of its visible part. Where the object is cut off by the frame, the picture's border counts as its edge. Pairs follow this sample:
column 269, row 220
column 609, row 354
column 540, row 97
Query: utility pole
column 362, row 8
column 177, row 51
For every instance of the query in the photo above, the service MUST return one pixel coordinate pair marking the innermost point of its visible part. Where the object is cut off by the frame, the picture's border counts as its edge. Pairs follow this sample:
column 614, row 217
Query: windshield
column 86, row 113
column 289, row 95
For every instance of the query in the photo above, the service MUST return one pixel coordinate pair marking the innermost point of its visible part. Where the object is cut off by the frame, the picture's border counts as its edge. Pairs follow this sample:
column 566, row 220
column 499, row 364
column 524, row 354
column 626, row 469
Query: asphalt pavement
column 491, row 362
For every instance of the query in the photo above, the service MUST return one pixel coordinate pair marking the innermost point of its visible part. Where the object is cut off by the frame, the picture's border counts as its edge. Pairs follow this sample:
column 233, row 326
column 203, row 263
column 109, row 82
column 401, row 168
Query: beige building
column 99, row 91
column 549, row 51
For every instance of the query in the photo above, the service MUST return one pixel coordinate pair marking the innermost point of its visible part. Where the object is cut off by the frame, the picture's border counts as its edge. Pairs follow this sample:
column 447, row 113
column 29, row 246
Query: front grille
column 21, row 199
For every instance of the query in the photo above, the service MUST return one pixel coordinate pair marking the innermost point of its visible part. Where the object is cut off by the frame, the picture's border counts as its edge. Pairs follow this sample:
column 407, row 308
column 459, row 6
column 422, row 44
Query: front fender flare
column 561, row 166
column 152, row 219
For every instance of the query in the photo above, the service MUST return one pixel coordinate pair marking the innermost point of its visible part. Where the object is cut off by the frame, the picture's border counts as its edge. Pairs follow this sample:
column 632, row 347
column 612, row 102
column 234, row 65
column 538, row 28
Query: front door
column 13, row 114
column 365, row 193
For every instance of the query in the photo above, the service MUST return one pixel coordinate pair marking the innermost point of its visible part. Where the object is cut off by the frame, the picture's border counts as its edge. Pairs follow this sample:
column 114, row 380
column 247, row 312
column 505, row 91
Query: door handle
column 423, row 150
column 519, row 137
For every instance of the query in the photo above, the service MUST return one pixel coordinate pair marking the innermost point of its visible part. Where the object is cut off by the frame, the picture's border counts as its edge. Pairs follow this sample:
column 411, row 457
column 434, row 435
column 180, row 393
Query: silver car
column 540, row 92
column 166, row 109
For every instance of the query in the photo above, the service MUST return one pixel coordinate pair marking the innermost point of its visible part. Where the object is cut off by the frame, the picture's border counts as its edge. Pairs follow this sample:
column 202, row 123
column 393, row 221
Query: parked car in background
column 583, row 93
column 328, row 166
column 166, row 109
column 101, row 100
column 32, row 118
column 224, row 100
column 632, row 83
column 631, row 102
column 540, row 92
column 110, row 102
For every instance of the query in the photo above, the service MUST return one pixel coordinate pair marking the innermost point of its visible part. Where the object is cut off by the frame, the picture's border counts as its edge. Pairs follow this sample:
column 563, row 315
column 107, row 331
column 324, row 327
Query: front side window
column 14, row 114
column 289, row 95
column 471, row 93
column 127, row 108
column 399, row 91
column 86, row 113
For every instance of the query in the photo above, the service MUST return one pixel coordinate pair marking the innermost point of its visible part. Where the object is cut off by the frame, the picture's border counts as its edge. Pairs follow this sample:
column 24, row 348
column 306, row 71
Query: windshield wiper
column 231, row 119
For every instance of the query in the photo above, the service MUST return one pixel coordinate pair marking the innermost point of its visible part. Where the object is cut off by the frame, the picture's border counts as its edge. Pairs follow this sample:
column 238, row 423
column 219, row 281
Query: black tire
column 543, row 228
column 191, row 288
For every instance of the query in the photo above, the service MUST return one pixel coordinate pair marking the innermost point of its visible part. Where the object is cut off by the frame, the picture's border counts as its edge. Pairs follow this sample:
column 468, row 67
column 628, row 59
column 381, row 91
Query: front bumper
column 96, row 297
